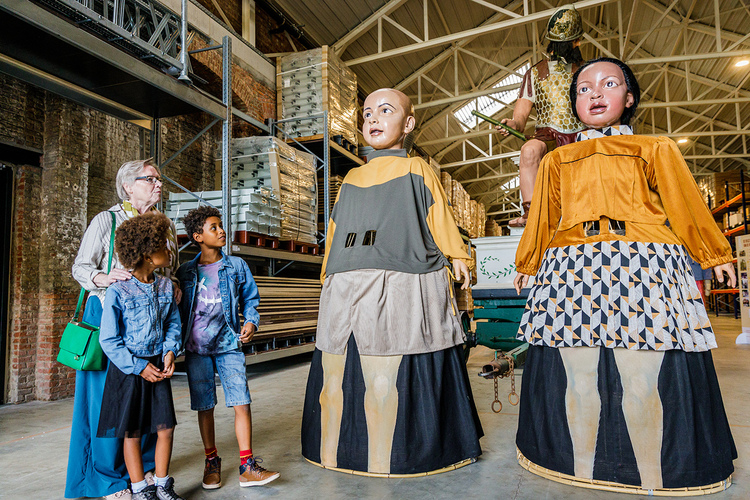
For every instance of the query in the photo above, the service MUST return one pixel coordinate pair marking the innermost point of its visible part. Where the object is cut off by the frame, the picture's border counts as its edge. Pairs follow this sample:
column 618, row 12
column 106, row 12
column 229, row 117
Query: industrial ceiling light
column 742, row 63
column 683, row 140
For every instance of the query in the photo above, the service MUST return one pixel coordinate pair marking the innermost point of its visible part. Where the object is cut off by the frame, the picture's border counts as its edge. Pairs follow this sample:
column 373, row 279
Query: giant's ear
column 409, row 124
column 629, row 100
column 198, row 237
column 128, row 189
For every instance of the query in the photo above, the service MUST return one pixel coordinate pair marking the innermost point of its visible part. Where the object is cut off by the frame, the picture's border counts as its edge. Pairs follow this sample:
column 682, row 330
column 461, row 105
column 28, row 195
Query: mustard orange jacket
column 642, row 181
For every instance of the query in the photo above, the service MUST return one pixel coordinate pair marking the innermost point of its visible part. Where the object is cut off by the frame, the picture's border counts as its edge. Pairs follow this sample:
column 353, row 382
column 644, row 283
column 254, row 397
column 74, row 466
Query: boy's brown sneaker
column 252, row 474
column 212, row 474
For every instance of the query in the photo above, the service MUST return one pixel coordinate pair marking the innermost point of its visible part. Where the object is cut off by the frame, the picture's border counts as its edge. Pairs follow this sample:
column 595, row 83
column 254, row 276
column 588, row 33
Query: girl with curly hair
column 140, row 333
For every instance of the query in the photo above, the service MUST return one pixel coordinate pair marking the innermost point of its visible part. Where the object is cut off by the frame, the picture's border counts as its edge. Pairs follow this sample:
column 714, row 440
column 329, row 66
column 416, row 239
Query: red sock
column 211, row 452
column 245, row 456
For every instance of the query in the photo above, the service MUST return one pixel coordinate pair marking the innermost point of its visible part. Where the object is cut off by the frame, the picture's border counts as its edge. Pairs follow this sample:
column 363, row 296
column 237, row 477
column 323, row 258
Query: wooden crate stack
column 313, row 81
column 713, row 186
column 492, row 228
column 267, row 162
column 253, row 210
column 289, row 307
column 469, row 214
column 334, row 182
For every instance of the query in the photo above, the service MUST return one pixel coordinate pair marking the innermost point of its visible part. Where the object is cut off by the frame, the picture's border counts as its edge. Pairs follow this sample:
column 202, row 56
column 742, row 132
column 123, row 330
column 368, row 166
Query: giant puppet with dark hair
column 619, row 387
column 545, row 88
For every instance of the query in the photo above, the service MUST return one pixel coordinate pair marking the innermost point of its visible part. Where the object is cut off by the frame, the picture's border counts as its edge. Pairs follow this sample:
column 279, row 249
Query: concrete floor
column 34, row 442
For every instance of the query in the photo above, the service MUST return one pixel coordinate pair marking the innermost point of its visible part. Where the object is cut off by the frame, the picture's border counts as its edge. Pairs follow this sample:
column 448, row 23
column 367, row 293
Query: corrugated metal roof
column 687, row 29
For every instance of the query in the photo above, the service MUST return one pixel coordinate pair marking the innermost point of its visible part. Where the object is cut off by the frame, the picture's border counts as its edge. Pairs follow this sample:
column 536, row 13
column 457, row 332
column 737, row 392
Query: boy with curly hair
column 216, row 288
column 140, row 333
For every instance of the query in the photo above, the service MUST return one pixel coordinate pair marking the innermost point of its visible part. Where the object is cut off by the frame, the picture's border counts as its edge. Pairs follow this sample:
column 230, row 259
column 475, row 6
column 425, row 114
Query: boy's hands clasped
column 152, row 374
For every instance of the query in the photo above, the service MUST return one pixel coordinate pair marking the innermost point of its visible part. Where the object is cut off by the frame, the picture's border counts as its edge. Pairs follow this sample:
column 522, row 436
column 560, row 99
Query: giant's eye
column 367, row 115
column 387, row 110
column 583, row 89
column 610, row 84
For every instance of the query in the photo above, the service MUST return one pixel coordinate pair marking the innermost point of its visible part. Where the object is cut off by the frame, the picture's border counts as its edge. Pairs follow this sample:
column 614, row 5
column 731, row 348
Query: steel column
column 226, row 137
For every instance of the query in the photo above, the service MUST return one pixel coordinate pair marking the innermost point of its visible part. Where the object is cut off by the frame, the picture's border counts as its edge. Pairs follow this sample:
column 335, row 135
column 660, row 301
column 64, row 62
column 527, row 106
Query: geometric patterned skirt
column 628, row 420
column 432, row 423
column 617, row 294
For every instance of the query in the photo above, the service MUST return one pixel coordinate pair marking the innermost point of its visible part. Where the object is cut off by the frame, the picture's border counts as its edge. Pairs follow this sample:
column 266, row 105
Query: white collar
column 596, row 133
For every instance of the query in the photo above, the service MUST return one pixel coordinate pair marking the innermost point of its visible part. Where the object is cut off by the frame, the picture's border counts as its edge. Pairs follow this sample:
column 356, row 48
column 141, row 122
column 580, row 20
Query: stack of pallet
column 469, row 214
column 254, row 210
column 491, row 228
column 310, row 82
column 464, row 300
column 267, row 162
column 288, row 308
column 715, row 187
column 334, row 184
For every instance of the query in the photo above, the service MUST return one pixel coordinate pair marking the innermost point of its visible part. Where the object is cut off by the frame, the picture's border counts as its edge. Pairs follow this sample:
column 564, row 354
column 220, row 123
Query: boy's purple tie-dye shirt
column 209, row 331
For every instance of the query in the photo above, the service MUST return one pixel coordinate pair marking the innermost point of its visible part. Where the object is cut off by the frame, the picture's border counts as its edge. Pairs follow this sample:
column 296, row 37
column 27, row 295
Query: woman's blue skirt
column 96, row 466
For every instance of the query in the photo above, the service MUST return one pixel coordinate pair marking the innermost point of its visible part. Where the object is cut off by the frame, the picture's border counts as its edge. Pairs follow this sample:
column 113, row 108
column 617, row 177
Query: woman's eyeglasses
column 151, row 179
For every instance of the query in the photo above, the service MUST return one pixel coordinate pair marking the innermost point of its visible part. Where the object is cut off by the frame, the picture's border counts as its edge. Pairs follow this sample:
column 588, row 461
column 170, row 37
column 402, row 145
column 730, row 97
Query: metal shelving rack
column 47, row 50
column 323, row 162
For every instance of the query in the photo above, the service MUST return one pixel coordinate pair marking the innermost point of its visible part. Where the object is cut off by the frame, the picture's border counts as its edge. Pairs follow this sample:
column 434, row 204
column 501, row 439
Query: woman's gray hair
column 128, row 172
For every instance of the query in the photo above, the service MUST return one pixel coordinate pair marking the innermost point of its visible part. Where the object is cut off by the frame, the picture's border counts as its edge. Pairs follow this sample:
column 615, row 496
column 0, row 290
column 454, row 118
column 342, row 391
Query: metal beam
column 481, row 159
column 435, row 61
column 466, row 97
column 696, row 102
column 688, row 57
column 481, row 30
column 366, row 25
column 168, row 96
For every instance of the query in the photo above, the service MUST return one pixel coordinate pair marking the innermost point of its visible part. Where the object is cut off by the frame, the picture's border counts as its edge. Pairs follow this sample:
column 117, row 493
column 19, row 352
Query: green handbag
column 79, row 345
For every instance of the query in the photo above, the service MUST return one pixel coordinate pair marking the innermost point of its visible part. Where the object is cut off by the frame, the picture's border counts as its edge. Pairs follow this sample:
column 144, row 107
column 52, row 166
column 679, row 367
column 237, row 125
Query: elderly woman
column 95, row 465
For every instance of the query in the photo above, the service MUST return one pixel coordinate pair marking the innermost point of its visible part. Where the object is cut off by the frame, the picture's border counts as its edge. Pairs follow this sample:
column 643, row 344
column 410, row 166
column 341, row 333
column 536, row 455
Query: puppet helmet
column 565, row 25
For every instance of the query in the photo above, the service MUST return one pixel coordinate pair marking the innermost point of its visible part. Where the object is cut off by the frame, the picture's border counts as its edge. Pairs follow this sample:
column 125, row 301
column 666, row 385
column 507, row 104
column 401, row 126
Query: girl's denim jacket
column 139, row 320
column 239, row 294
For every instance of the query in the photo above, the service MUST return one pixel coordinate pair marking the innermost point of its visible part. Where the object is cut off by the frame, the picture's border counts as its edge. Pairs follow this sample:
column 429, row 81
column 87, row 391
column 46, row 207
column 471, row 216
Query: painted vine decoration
column 502, row 273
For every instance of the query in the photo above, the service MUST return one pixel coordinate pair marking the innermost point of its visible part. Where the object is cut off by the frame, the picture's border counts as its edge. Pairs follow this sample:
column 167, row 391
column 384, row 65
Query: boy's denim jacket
column 239, row 293
column 133, row 329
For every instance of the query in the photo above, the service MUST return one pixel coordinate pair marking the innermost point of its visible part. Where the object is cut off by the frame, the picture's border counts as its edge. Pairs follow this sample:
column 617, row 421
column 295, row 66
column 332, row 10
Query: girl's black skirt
column 132, row 406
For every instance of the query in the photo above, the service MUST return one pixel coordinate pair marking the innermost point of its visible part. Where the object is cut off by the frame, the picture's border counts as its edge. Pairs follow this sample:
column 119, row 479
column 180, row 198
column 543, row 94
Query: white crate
column 496, row 257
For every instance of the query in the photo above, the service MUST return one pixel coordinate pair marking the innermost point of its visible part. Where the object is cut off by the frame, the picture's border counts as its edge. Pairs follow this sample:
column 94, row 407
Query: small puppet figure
column 388, row 391
column 619, row 387
column 545, row 88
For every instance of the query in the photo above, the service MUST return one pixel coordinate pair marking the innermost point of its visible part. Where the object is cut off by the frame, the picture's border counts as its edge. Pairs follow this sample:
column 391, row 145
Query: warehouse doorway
column 6, row 218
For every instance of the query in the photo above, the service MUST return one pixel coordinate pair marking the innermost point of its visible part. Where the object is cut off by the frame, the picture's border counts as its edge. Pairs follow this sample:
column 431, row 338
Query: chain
column 513, row 396
column 513, row 393
column 497, row 400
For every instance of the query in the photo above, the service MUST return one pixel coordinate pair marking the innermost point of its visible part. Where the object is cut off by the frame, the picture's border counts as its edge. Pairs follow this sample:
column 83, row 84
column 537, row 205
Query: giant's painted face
column 387, row 119
column 602, row 95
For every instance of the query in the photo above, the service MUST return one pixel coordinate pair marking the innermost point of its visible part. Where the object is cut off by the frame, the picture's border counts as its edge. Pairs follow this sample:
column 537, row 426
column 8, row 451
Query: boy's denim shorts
column 231, row 368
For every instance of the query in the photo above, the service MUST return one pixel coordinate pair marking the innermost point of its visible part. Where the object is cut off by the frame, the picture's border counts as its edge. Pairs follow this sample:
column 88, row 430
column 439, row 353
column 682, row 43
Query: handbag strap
column 109, row 266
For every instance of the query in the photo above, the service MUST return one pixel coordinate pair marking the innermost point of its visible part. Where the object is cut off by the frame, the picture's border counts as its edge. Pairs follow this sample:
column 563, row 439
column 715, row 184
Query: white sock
column 161, row 481
column 139, row 486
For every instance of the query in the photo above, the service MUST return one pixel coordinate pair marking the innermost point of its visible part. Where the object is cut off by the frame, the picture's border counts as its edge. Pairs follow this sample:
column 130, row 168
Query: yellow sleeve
column 688, row 215
column 544, row 217
column 329, row 238
column 441, row 222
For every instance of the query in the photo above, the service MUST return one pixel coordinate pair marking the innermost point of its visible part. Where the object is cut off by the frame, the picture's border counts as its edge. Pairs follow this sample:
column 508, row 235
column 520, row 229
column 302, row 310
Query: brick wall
column 194, row 168
column 82, row 150
column 24, row 291
column 65, row 169
column 248, row 94
column 232, row 10
column 112, row 143
column 265, row 41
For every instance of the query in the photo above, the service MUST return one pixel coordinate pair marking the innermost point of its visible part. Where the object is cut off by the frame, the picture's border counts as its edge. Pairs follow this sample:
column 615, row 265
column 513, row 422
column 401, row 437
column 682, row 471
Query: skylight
column 490, row 104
